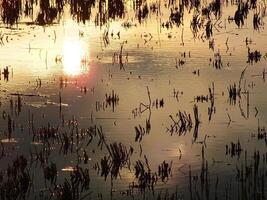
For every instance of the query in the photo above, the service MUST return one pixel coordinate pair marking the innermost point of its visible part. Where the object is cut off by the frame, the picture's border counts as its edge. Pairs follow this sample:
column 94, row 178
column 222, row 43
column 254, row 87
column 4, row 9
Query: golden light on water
column 74, row 57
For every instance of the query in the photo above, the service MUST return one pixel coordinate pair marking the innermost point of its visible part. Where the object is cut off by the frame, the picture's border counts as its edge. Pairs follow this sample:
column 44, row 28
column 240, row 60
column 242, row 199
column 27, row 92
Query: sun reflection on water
column 74, row 58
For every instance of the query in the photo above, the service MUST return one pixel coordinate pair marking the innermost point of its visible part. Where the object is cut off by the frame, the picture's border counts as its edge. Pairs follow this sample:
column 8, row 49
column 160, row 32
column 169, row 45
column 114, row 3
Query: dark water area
column 133, row 99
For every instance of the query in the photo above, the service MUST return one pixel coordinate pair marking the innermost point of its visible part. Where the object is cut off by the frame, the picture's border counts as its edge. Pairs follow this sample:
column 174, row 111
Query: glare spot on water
column 68, row 169
column 73, row 57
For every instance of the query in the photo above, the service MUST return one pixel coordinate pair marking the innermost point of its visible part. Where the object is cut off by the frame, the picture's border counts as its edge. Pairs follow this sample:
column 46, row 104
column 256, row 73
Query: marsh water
column 133, row 99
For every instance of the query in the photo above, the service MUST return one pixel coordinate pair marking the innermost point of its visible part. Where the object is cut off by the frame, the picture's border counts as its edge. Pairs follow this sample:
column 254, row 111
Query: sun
column 73, row 54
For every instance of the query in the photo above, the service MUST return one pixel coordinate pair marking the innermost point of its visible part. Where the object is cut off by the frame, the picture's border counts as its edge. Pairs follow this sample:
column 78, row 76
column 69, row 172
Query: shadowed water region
column 133, row 99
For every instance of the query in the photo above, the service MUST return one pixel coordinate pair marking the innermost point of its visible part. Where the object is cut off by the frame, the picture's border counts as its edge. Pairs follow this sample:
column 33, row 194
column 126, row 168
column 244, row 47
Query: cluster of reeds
column 15, row 182
column 142, row 12
column 196, row 24
column 10, row 127
column 201, row 98
column 79, row 177
column 249, row 181
column 164, row 171
column 81, row 10
column 146, row 179
column 51, row 173
column 184, row 123
column 254, row 56
column 251, row 177
column 100, row 106
column 167, row 195
column 181, row 125
column 118, row 57
column 202, row 180
column 179, row 62
column 176, row 17
column 15, row 105
column 47, row 13
column 256, row 21
column 215, row 7
column 63, row 82
column 158, row 103
column 72, row 189
column 141, row 131
column 211, row 108
column 167, row 25
column 261, row 133
column 234, row 92
column 197, row 122
column 11, row 11
column 234, row 149
column 40, row 156
column 177, row 93
column 83, row 89
column 45, row 134
column 208, row 29
column 38, row 83
column 128, row 24
column 6, row 73
column 112, row 99
column 217, row 63
column 118, row 157
column 115, row 8
column 211, row 44
column 241, row 13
